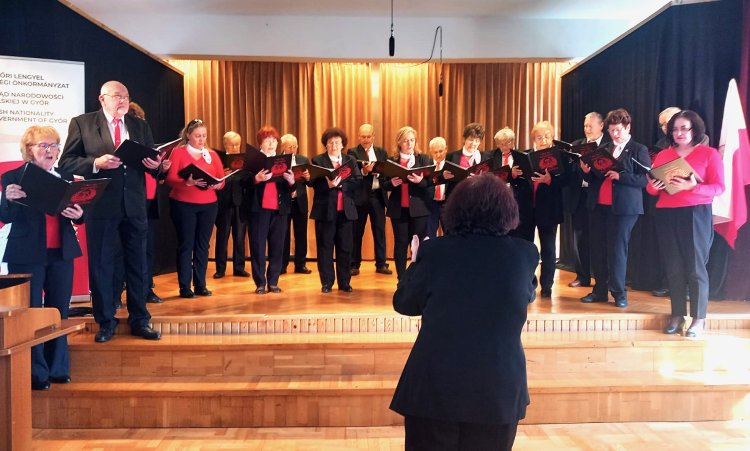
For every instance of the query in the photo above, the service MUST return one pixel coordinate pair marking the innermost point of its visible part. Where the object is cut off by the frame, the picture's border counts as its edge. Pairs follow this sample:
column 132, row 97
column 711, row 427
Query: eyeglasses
column 46, row 146
column 681, row 129
column 118, row 97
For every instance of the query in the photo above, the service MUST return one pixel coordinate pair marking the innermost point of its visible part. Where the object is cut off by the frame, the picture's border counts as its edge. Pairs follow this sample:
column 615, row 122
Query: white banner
column 37, row 92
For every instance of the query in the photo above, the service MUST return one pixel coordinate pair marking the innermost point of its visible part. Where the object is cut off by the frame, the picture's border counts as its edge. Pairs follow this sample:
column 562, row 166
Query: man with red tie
column 89, row 152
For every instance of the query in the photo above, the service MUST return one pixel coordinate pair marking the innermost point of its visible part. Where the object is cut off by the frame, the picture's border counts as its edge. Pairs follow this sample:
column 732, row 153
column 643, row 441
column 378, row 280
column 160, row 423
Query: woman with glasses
column 43, row 246
column 546, row 207
column 685, row 220
column 615, row 200
column 334, row 212
column 193, row 207
column 408, row 198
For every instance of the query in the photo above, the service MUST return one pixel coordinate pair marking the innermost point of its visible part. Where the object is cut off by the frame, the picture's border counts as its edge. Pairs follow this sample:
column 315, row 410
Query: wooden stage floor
column 373, row 295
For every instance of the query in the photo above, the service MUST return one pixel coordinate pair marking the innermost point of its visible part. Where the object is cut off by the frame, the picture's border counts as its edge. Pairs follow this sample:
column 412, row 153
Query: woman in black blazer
column 269, row 204
column 334, row 212
column 408, row 200
column 464, row 384
column 43, row 246
column 615, row 201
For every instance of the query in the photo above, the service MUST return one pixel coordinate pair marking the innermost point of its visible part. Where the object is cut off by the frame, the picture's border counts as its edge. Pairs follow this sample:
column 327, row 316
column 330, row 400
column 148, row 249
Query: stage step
column 362, row 400
column 355, row 354
column 383, row 323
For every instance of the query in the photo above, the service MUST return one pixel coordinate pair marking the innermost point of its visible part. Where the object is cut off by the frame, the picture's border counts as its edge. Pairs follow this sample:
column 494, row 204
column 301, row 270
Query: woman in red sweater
column 193, row 207
column 685, row 221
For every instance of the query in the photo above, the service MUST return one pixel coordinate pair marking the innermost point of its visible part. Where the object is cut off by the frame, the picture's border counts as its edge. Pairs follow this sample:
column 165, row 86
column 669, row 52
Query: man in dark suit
column 334, row 212
column 298, row 215
column 574, row 203
column 228, row 217
column 89, row 152
column 370, row 200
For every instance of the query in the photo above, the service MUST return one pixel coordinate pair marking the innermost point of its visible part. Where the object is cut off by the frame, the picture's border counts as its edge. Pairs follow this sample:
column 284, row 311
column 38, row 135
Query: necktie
column 118, row 138
column 340, row 193
column 506, row 158
column 438, row 192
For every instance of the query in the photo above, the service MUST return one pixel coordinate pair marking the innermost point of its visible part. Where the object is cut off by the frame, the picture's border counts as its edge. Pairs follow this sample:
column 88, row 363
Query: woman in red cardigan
column 193, row 207
column 685, row 221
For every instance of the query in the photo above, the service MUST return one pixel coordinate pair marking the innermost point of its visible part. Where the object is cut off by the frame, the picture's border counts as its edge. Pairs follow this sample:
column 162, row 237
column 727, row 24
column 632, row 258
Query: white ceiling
column 359, row 30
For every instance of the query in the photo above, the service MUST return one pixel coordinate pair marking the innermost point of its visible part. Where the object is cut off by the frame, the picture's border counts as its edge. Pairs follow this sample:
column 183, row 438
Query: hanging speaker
column 392, row 46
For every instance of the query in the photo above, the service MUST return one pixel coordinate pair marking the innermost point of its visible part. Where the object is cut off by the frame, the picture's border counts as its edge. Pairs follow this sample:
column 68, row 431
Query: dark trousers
column 100, row 236
column 193, row 223
column 404, row 228
column 338, row 235
column 119, row 260
column 547, row 251
column 435, row 219
column 297, row 221
column 610, row 234
column 438, row 435
column 150, row 243
column 228, row 219
column 55, row 281
column 375, row 209
column 685, row 236
column 266, row 226
column 581, row 240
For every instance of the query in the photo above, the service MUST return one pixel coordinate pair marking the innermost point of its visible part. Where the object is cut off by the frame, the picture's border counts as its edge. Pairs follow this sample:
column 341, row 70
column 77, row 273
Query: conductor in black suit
column 298, row 216
column 575, row 196
column 464, row 384
column 334, row 212
column 615, row 201
column 89, row 148
column 370, row 200
column 43, row 246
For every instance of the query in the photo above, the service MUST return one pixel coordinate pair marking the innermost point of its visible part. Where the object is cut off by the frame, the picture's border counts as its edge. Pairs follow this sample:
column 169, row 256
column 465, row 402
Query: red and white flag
column 730, row 209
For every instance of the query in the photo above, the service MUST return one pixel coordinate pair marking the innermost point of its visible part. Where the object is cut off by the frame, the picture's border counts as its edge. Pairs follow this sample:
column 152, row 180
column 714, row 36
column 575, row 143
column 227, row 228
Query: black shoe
column 260, row 290
column 241, row 273
column 661, row 292
column 118, row 303
column 579, row 283
column 104, row 335
column 383, row 270
column 218, row 275
column 186, row 293
column 60, row 379
column 621, row 302
column 145, row 332
column 152, row 298
column 202, row 291
column 42, row 385
column 675, row 325
column 346, row 288
column 326, row 289
column 274, row 289
column 303, row 270
column 696, row 328
column 591, row 297
column 354, row 271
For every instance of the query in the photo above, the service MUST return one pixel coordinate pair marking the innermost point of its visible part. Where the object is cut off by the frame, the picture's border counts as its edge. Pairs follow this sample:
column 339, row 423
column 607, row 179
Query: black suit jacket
column 420, row 195
column 324, row 198
column 627, row 193
column 572, row 192
column 455, row 158
column 231, row 194
column 300, row 188
column 89, row 138
column 467, row 364
column 27, row 241
column 522, row 186
column 254, row 194
column 362, row 195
